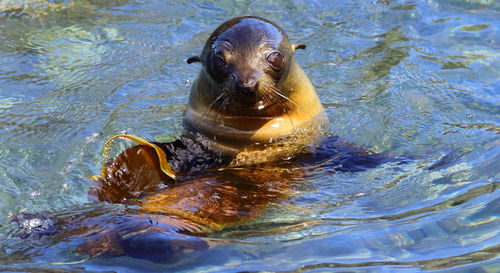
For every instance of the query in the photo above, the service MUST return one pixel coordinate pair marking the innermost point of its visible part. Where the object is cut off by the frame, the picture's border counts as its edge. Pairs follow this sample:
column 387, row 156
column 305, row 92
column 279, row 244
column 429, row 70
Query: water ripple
column 415, row 80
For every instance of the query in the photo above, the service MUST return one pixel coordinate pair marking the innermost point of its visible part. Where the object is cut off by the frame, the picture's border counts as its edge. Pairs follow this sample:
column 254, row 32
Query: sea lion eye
column 219, row 64
column 275, row 60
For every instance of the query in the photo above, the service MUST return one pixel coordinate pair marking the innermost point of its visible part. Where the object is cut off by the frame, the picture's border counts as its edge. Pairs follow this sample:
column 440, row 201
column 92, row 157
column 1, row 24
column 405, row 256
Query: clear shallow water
column 406, row 78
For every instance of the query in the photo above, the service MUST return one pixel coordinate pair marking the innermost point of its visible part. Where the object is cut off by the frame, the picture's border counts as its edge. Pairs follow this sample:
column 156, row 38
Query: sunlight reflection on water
column 417, row 80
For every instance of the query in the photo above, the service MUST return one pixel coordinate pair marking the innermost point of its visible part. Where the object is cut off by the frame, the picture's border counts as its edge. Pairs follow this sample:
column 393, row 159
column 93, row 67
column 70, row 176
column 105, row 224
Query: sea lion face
column 245, row 59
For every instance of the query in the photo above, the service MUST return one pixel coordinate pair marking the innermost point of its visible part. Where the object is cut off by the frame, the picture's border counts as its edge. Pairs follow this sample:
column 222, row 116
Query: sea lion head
column 245, row 59
column 250, row 88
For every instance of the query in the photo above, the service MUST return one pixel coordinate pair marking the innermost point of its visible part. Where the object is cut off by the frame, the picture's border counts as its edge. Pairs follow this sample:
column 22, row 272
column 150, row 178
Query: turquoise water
column 418, row 79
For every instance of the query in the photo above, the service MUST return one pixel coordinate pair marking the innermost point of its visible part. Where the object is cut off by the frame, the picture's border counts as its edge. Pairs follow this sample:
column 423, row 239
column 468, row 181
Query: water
column 418, row 79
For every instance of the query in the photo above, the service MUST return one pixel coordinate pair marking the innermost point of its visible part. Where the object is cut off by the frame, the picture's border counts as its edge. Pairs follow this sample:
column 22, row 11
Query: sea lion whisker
column 277, row 92
column 215, row 121
column 264, row 97
column 209, row 108
column 286, row 110
column 275, row 99
column 222, row 107
column 278, row 99
column 291, row 120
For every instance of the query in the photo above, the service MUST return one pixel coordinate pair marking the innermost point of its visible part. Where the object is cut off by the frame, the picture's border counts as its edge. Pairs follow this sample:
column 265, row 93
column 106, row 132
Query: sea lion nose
column 246, row 85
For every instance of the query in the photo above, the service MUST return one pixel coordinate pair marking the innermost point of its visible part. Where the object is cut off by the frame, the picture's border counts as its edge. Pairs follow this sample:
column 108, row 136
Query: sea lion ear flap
column 193, row 59
column 298, row 46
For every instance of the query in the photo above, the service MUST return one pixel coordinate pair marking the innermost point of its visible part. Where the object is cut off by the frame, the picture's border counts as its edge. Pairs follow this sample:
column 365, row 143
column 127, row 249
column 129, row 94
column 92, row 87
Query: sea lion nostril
column 247, row 91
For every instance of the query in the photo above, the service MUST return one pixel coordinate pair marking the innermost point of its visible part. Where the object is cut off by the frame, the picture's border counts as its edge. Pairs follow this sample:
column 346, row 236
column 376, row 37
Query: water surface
column 413, row 79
